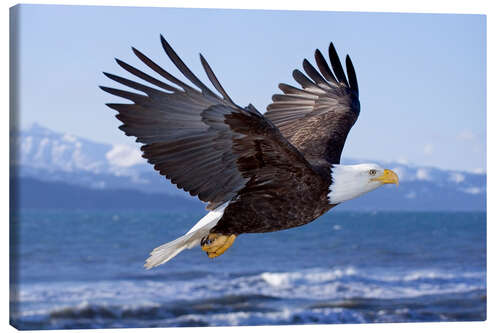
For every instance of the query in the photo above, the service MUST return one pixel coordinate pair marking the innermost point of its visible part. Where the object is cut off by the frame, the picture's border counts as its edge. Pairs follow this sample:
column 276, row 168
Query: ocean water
column 84, row 269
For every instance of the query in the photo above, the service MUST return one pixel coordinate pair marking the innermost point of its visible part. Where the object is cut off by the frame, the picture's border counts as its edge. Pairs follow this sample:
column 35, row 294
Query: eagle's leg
column 216, row 244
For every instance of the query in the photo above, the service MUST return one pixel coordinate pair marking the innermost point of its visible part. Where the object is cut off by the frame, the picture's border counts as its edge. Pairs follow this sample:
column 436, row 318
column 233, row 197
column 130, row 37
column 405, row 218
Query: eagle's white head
column 351, row 181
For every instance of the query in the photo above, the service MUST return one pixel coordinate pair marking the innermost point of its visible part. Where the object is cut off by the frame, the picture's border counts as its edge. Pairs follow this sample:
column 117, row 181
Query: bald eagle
column 257, row 172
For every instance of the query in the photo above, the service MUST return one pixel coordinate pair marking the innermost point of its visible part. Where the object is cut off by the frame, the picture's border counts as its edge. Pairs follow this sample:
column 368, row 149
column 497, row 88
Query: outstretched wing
column 202, row 142
column 317, row 118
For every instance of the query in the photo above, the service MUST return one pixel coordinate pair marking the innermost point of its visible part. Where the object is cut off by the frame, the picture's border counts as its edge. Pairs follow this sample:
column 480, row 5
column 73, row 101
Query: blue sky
column 422, row 77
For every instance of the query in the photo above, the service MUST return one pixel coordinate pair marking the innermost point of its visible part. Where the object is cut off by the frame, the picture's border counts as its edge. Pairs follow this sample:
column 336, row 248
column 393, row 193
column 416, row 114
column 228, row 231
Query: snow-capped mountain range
column 46, row 155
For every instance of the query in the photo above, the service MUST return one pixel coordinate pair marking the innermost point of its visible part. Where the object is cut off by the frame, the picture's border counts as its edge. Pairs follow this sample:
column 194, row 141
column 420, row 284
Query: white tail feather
column 167, row 251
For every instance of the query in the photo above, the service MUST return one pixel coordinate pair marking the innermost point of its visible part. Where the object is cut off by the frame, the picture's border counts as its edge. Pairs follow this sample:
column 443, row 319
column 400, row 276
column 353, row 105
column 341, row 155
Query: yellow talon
column 216, row 244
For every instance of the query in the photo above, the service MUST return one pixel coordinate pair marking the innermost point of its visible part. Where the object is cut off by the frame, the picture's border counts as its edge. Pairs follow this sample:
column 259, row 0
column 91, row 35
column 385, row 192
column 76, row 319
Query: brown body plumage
column 274, row 170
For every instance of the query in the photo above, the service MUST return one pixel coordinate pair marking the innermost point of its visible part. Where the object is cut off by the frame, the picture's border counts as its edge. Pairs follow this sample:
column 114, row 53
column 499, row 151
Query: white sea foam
column 293, row 278
column 284, row 315
column 313, row 284
column 45, row 299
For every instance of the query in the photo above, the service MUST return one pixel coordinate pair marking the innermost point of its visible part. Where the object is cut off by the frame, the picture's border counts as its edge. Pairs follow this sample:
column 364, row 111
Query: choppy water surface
column 84, row 270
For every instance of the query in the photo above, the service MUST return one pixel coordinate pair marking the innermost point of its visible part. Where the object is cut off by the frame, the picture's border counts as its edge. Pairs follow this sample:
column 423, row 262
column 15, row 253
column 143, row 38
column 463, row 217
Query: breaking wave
column 264, row 298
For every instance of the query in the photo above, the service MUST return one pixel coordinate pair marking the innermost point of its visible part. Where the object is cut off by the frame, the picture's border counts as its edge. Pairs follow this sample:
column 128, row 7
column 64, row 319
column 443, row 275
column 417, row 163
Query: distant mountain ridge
column 30, row 193
column 47, row 156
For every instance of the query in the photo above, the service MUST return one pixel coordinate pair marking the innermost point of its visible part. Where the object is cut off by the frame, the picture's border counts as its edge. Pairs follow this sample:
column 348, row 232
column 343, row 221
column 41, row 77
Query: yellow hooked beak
column 389, row 177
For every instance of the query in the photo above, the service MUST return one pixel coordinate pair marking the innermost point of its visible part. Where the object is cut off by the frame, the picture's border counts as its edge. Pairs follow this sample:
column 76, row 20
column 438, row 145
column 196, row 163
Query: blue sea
column 84, row 269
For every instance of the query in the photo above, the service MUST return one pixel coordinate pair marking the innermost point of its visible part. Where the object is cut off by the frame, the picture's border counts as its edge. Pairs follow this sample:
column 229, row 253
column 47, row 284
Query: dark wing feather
column 203, row 143
column 317, row 118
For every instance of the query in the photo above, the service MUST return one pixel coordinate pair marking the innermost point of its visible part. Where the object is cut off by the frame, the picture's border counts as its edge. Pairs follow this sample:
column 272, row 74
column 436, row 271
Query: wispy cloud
column 402, row 160
column 428, row 149
column 124, row 156
column 466, row 135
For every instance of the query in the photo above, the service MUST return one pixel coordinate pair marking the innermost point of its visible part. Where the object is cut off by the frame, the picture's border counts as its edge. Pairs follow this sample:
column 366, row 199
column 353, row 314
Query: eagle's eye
column 372, row 172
